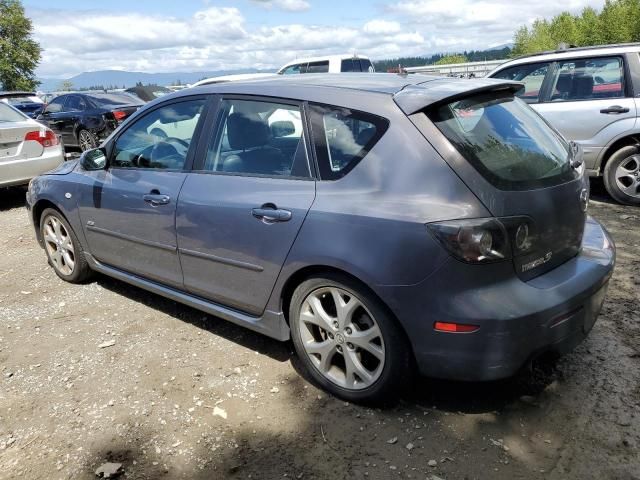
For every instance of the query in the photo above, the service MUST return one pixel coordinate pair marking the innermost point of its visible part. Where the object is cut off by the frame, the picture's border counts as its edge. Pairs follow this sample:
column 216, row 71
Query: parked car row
column 378, row 221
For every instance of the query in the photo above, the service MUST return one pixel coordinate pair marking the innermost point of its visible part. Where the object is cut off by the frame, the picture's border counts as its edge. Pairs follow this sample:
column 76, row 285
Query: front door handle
column 616, row 109
column 156, row 199
column 269, row 213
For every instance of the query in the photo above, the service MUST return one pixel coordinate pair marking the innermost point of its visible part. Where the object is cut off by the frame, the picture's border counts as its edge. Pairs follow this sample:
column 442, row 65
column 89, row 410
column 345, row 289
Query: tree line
column 442, row 58
column 617, row 22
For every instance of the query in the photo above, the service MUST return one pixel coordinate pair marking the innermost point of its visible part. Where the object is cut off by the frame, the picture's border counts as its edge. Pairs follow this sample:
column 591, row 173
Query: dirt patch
column 106, row 372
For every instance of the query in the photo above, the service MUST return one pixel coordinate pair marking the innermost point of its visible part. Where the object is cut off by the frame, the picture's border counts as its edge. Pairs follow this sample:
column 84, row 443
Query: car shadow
column 12, row 197
column 279, row 351
column 453, row 396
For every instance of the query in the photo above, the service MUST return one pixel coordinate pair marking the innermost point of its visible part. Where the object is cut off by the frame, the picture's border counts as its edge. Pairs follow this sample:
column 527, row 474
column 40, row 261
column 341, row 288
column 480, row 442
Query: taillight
column 119, row 115
column 485, row 240
column 44, row 137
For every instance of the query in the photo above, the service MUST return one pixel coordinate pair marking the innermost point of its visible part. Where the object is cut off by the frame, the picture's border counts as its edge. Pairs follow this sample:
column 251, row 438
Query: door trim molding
column 129, row 238
column 225, row 261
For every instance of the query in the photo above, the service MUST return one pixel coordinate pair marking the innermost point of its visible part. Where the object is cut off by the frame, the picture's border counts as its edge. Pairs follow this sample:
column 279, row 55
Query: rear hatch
column 523, row 171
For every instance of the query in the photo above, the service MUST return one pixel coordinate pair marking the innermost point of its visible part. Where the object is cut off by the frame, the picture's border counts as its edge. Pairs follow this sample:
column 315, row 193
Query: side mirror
column 95, row 159
column 282, row 128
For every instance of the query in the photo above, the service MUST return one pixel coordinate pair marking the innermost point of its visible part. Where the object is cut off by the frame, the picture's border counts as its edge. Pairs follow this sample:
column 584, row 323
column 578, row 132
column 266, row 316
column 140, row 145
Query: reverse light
column 44, row 137
column 449, row 327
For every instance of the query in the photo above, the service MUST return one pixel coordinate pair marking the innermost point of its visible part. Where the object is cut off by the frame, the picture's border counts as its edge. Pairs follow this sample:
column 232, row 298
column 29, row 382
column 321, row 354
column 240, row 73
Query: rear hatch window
column 506, row 141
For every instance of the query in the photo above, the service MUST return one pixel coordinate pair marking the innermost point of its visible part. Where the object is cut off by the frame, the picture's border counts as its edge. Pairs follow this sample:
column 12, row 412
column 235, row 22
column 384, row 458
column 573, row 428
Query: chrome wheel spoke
column 323, row 353
column 317, row 315
column 355, row 372
column 344, row 309
column 364, row 340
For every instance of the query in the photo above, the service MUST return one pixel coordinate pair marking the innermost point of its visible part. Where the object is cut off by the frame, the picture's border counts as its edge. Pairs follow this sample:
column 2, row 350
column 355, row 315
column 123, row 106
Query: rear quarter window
column 343, row 137
column 505, row 141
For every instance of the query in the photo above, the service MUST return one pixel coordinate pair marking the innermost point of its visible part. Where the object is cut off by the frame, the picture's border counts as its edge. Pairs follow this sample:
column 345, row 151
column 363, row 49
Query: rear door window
column 317, row 67
column 343, row 137
column 506, row 141
column 588, row 79
column 532, row 75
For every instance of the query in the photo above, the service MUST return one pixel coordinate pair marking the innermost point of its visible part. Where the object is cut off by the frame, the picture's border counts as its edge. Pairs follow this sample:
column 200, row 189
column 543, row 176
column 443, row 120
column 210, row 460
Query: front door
column 128, row 211
column 240, row 211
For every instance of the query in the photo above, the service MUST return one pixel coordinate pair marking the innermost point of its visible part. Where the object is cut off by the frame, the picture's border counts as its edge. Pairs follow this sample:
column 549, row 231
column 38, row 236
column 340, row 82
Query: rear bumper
column 518, row 320
column 20, row 171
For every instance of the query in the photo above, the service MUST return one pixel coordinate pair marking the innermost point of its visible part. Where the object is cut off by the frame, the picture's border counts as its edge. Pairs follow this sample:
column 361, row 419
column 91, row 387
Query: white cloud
column 381, row 26
column 217, row 38
column 287, row 5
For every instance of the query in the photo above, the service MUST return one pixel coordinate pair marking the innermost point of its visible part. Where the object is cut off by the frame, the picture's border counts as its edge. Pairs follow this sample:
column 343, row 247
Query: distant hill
column 495, row 53
column 120, row 79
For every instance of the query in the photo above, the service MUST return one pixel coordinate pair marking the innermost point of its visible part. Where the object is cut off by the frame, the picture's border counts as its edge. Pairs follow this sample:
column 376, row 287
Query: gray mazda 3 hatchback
column 380, row 222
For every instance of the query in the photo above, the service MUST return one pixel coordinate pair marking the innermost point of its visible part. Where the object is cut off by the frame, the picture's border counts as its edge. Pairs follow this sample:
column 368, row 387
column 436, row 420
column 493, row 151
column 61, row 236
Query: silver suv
column 592, row 96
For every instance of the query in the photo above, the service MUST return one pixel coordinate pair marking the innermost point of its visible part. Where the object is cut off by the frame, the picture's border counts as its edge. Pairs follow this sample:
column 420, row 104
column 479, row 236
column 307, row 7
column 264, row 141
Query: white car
column 231, row 78
column 329, row 64
column 27, row 148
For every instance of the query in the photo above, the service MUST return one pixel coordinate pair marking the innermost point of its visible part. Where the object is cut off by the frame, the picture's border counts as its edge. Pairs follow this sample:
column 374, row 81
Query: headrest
column 582, row 86
column 564, row 83
column 246, row 130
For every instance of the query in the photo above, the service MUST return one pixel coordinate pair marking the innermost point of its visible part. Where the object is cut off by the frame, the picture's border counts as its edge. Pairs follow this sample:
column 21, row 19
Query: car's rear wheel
column 87, row 140
column 622, row 175
column 63, row 249
column 347, row 340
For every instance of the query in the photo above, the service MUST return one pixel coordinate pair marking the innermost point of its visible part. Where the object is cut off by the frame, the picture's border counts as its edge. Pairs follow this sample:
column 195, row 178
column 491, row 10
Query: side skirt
column 271, row 324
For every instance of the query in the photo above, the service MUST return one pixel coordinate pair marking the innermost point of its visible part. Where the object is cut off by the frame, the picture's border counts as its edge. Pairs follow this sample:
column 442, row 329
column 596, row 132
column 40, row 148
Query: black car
column 27, row 102
column 85, row 119
column 148, row 93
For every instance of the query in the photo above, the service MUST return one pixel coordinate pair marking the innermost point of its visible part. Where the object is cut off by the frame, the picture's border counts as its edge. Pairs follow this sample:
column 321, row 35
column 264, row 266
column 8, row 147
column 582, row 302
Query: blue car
column 381, row 222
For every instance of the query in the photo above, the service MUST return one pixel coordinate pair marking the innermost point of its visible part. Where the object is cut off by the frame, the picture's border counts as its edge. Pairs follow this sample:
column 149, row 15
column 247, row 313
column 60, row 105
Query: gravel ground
column 106, row 372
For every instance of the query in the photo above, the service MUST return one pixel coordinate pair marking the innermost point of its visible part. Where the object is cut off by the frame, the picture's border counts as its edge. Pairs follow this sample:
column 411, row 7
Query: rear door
column 586, row 96
column 520, row 169
column 128, row 211
column 241, row 209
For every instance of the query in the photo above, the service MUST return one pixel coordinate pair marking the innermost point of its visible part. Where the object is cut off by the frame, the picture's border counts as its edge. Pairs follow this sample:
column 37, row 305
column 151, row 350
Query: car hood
column 64, row 168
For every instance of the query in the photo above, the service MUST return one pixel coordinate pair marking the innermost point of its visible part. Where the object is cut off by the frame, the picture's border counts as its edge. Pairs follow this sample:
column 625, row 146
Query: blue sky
column 198, row 35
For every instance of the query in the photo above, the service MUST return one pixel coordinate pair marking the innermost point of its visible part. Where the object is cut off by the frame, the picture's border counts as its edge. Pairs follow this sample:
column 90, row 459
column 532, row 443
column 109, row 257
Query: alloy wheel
column 628, row 176
column 86, row 141
column 341, row 338
column 59, row 245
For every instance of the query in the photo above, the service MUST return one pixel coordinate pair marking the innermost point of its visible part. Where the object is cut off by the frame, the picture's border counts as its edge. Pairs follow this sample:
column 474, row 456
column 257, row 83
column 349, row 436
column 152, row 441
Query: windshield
column 8, row 114
column 114, row 99
column 506, row 141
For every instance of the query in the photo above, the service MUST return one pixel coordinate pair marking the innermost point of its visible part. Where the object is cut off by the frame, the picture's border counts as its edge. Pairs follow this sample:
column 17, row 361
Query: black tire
column 81, row 271
column 610, row 183
column 397, row 368
column 87, row 140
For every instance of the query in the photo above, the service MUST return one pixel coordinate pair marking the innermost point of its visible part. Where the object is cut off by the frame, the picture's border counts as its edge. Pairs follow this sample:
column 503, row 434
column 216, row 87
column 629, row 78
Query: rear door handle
column 615, row 109
column 156, row 199
column 269, row 214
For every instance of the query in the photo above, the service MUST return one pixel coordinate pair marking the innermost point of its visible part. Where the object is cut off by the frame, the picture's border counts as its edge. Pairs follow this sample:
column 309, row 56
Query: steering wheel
column 176, row 140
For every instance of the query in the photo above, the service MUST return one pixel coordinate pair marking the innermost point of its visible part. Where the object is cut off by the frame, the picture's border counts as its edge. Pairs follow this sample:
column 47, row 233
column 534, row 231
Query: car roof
column 411, row 92
column 574, row 52
column 231, row 78
column 17, row 94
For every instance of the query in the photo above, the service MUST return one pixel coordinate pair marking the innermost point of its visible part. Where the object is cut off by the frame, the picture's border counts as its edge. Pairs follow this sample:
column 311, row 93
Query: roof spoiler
column 414, row 98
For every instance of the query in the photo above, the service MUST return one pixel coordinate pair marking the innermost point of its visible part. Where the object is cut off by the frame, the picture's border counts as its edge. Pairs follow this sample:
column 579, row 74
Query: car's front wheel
column 348, row 341
column 63, row 249
column 622, row 175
